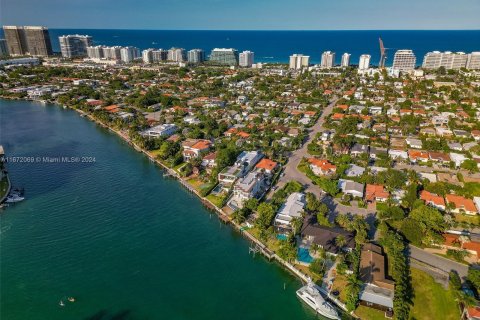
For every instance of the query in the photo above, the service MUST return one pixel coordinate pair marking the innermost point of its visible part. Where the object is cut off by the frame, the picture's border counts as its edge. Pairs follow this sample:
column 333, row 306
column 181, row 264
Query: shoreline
column 224, row 217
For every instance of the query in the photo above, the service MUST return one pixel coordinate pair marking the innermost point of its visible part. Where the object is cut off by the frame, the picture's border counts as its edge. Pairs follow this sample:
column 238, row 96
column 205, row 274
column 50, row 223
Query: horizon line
column 270, row 30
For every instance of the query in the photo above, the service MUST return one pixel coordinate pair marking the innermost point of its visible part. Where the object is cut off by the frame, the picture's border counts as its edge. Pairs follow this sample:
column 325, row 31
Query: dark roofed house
column 358, row 149
column 325, row 237
column 377, row 291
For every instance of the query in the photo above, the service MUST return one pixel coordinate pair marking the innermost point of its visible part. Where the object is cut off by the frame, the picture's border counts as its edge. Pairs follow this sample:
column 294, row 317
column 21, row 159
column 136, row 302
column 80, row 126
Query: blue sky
column 244, row 14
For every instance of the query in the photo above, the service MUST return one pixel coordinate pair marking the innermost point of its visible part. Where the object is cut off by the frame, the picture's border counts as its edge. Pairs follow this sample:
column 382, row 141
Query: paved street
column 291, row 172
column 438, row 262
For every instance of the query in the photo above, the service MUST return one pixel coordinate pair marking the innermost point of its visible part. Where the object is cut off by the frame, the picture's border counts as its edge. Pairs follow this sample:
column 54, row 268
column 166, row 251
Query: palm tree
column 296, row 224
column 343, row 220
column 340, row 241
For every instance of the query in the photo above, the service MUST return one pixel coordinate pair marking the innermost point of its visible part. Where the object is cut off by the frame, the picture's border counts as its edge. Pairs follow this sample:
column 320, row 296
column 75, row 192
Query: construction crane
column 383, row 54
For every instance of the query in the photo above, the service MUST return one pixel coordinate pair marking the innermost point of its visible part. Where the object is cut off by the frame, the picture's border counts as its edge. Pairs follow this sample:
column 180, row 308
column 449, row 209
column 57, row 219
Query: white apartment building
column 473, row 61
column 299, row 61
column 246, row 59
column 74, row 45
column 147, row 56
column 176, row 54
column 128, row 54
column 345, row 60
column 328, row 59
column 95, row 52
column 448, row 60
column 364, row 62
column 404, row 60
column 196, row 56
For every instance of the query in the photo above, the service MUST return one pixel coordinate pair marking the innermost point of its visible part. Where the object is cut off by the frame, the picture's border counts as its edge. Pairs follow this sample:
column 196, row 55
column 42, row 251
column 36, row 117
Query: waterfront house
column 291, row 209
column 244, row 163
column 377, row 291
column 162, row 130
column 326, row 238
column 249, row 187
column 209, row 161
column 195, row 148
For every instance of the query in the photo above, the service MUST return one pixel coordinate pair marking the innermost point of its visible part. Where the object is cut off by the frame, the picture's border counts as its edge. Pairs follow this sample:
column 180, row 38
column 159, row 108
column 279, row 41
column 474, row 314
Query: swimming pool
column 303, row 255
column 282, row 237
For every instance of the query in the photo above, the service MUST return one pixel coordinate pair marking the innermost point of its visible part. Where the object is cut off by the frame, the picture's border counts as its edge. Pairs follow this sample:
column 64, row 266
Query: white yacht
column 310, row 294
column 14, row 197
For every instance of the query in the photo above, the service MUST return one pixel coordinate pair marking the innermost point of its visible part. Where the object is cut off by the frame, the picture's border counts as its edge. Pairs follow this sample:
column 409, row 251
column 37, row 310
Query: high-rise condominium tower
column 328, row 59
column 196, row 56
column 345, row 60
column 224, row 56
column 404, row 60
column 299, row 61
column 246, row 58
column 74, row 45
column 29, row 40
column 364, row 62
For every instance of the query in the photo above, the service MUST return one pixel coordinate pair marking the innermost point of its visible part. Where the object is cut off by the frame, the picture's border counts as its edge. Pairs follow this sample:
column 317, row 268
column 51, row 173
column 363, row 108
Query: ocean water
column 277, row 46
column 117, row 236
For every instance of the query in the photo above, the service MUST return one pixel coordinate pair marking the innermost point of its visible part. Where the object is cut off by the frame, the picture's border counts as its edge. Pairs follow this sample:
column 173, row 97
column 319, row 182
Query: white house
column 162, row 130
column 291, row 209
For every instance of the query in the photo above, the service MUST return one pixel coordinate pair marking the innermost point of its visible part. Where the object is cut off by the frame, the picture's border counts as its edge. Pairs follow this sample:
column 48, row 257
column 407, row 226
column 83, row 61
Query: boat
column 310, row 294
column 14, row 197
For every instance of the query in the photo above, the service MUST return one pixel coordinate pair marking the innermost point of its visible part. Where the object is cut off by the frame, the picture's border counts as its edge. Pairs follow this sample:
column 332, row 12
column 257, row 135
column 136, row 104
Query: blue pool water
column 303, row 255
column 282, row 237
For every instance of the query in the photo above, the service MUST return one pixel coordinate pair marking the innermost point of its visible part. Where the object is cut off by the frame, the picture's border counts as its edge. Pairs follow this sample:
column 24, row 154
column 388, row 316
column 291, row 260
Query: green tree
column 470, row 165
column 266, row 213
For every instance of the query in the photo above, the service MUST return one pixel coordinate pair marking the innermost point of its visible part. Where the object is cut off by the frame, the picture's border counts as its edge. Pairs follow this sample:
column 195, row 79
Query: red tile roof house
column 454, row 241
column 472, row 313
column 461, row 204
column 209, row 161
column 418, row 156
column 322, row 167
column 267, row 165
column 376, row 192
column 195, row 148
column 433, row 200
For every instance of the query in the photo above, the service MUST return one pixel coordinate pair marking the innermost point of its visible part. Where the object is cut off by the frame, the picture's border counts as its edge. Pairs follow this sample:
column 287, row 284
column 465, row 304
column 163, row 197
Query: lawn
column 469, row 219
column 431, row 300
column 215, row 200
column 340, row 283
column 369, row 313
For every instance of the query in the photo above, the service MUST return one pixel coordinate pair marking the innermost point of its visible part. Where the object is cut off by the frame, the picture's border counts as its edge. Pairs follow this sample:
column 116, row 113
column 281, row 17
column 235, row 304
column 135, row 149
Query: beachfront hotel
column 404, row 60
column 298, row 61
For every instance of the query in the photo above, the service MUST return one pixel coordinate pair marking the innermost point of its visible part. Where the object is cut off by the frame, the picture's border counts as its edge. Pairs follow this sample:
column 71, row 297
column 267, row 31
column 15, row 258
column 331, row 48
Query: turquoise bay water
column 116, row 235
